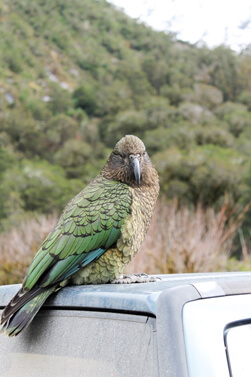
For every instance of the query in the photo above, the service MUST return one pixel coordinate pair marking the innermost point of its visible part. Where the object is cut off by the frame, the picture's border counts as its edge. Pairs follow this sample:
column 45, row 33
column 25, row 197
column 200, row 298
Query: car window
column 238, row 344
column 205, row 322
column 76, row 343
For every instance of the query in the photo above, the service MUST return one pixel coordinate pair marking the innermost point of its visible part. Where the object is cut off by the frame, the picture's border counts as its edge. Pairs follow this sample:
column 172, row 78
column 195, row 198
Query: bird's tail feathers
column 18, row 315
column 19, row 300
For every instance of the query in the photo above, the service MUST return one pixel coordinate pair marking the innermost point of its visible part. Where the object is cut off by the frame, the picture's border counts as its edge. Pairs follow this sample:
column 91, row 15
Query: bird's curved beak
column 136, row 170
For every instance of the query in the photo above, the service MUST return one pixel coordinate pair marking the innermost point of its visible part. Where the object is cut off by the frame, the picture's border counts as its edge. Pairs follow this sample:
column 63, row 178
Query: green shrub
column 85, row 98
column 73, row 156
column 37, row 186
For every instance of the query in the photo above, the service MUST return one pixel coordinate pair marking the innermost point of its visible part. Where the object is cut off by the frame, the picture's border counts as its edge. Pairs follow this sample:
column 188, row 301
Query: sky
column 214, row 22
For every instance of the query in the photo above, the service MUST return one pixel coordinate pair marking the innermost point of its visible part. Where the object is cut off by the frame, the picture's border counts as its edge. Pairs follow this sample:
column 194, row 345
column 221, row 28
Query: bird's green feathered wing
column 89, row 225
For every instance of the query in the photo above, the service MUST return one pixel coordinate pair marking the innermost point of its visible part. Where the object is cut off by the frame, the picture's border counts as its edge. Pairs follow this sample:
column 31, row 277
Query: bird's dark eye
column 121, row 158
column 118, row 158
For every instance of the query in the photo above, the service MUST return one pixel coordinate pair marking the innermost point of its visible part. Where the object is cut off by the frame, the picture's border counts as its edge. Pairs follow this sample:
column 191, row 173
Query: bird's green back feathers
column 89, row 225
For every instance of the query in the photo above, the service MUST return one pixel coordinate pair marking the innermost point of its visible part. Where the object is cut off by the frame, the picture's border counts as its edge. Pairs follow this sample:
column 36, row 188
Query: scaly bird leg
column 135, row 278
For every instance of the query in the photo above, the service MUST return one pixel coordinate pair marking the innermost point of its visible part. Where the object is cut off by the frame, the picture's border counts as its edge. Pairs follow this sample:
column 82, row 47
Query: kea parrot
column 98, row 233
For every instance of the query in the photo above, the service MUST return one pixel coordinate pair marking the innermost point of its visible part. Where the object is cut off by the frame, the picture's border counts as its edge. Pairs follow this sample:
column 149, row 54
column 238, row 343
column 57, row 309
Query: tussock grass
column 18, row 247
column 179, row 240
column 184, row 240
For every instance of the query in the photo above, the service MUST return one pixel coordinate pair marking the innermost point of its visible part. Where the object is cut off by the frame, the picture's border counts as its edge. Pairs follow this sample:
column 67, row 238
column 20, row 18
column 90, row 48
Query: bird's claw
column 135, row 278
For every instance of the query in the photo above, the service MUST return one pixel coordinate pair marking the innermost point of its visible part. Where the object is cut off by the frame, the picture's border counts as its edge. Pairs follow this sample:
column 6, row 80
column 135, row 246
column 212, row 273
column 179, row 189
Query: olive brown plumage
column 98, row 233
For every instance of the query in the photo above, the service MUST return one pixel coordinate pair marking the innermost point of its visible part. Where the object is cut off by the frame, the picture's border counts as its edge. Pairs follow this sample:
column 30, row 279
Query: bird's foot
column 135, row 278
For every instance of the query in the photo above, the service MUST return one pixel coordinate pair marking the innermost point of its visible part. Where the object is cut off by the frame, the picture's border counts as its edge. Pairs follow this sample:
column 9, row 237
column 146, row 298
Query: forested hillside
column 77, row 75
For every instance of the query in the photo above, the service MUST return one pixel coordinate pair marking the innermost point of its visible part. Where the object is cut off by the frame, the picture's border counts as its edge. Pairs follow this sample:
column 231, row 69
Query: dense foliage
column 77, row 75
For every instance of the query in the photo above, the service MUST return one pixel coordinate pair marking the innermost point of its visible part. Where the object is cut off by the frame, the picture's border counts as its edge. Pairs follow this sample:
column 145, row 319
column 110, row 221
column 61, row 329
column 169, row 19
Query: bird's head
column 129, row 162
